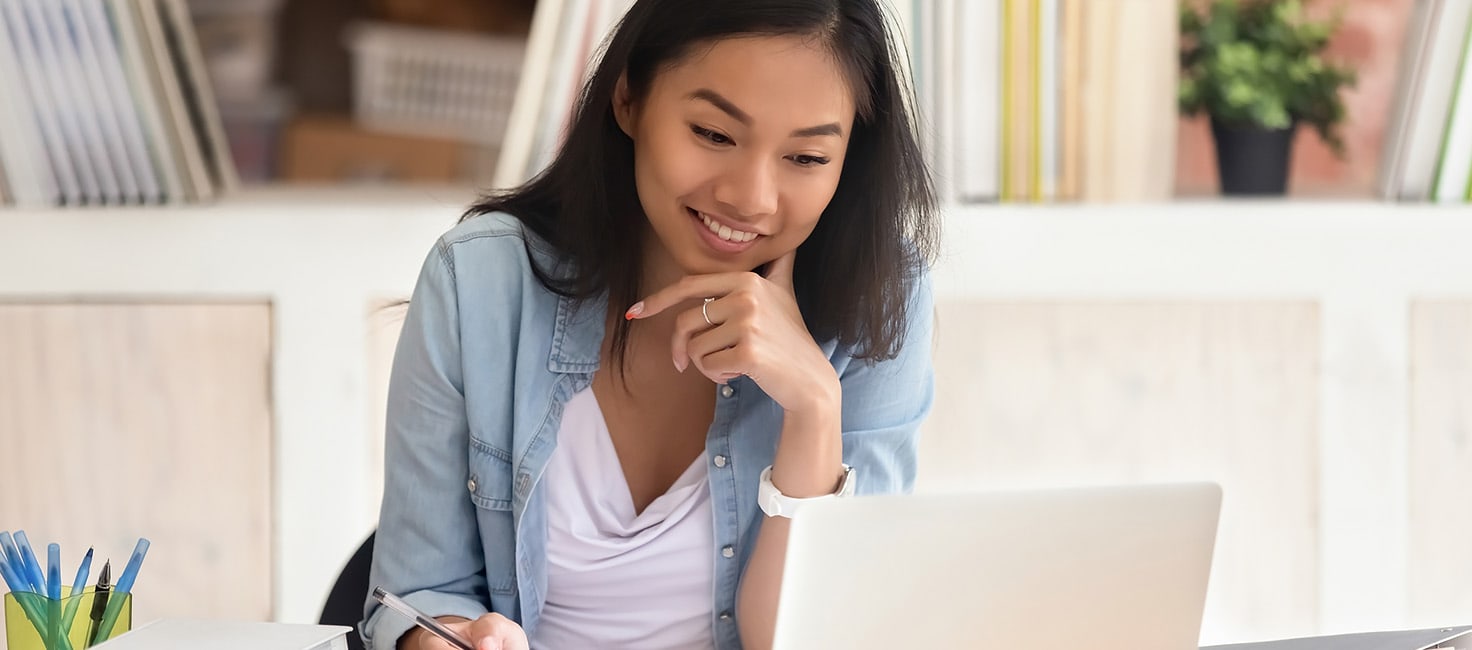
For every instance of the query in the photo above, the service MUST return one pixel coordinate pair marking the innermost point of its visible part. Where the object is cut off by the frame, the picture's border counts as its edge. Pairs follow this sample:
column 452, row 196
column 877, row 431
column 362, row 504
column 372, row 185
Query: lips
column 723, row 231
column 720, row 237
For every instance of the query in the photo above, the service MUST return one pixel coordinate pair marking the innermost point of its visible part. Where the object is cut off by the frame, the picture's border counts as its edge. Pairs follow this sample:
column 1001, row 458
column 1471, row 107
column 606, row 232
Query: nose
column 748, row 189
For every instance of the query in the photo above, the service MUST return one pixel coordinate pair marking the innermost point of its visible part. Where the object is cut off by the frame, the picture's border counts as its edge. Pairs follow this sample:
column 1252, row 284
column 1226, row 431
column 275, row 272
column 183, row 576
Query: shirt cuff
column 382, row 630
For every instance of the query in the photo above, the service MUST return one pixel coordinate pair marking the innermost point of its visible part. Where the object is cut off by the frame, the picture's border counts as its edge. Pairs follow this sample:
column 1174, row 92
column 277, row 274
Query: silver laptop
column 1112, row 568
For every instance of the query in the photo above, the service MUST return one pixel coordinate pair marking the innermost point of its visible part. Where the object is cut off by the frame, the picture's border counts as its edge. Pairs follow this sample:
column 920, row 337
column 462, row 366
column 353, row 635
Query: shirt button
column 725, row 616
column 470, row 485
column 719, row 460
column 727, row 391
column 728, row 552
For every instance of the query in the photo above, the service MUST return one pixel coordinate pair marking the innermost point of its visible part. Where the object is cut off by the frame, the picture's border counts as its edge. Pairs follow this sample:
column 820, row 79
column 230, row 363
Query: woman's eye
column 717, row 138
column 809, row 161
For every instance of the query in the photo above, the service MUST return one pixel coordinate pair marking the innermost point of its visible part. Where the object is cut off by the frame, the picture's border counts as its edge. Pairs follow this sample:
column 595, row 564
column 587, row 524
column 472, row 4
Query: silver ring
column 706, row 314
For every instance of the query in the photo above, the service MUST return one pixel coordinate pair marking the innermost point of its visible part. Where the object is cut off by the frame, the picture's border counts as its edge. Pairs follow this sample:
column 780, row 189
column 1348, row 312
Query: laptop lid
column 1110, row 568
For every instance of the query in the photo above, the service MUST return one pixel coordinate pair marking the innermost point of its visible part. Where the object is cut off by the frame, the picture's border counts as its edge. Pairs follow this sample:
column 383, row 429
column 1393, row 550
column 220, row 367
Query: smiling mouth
column 721, row 230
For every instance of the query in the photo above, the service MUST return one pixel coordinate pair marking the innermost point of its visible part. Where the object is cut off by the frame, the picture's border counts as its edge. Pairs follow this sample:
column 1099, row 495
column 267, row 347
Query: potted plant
column 1257, row 68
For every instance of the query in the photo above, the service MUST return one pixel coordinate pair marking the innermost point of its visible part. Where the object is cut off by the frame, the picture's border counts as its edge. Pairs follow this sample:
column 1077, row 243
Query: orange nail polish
column 634, row 311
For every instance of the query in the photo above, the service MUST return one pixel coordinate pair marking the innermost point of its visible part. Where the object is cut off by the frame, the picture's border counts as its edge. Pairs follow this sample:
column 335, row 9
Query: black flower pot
column 1252, row 160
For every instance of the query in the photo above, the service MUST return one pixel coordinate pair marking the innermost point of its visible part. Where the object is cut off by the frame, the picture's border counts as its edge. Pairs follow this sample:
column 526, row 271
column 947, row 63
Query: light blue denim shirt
column 485, row 363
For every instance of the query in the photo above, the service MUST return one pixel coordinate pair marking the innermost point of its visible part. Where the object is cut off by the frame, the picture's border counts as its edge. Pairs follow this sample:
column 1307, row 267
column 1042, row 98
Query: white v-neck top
column 616, row 579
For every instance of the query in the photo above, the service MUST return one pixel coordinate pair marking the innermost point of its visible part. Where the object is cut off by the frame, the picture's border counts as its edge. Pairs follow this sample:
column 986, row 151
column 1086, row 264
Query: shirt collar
column 577, row 339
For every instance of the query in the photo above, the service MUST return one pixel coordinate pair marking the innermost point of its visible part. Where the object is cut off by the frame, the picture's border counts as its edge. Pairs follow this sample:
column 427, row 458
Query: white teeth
column 726, row 232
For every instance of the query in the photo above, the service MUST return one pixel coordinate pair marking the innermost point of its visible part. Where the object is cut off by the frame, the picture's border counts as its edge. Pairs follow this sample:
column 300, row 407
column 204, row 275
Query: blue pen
column 53, row 571
column 17, row 564
column 13, row 579
column 32, row 566
column 124, row 586
column 130, row 572
column 79, row 586
column 23, row 596
column 8, row 550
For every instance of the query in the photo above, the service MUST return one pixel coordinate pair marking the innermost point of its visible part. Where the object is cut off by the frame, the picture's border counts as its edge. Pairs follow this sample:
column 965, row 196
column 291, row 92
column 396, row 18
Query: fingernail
column 635, row 311
column 679, row 366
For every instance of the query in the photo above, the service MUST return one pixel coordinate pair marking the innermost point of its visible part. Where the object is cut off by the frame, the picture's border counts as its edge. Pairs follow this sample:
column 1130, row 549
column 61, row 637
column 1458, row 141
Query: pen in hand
column 421, row 619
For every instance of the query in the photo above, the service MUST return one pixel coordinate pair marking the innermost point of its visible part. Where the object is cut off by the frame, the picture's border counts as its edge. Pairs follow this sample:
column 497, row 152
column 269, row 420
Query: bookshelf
column 323, row 257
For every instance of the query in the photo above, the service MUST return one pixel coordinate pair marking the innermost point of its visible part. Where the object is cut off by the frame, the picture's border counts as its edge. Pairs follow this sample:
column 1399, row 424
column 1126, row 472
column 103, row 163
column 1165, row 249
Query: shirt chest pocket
column 490, row 490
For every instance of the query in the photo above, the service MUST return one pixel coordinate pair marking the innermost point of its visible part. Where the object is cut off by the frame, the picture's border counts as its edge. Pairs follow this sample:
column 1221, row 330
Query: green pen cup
column 35, row 622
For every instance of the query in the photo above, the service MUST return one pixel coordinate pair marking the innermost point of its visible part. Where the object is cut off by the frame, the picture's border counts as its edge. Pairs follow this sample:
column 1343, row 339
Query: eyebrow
column 715, row 98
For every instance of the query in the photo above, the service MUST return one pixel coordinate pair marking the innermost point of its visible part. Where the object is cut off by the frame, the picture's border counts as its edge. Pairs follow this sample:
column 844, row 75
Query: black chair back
column 345, row 602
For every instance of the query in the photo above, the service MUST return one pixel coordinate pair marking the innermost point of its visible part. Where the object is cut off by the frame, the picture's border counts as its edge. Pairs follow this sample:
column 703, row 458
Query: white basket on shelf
column 433, row 82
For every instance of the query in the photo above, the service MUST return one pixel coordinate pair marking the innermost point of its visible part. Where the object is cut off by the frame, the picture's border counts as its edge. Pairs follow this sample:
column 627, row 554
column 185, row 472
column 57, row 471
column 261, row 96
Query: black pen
column 99, row 602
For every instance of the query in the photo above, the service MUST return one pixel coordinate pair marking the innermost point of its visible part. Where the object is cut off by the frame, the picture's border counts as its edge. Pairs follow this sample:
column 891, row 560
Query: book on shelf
column 61, row 64
column 1019, row 97
column 106, row 102
column 4, row 191
column 1070, row 162
column 1454, row 165
column 561, row 48
column 978, row 82
column 38, row 111
column 29, row 177
column 1047, row 100
column 1429, row 120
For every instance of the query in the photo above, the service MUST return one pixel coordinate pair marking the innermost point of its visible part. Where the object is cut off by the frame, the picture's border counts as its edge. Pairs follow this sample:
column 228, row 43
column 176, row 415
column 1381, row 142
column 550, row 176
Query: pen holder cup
column 35, row 622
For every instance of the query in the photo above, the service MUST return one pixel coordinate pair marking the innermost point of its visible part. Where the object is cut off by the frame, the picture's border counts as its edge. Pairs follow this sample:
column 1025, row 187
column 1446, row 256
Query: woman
column 715, row 293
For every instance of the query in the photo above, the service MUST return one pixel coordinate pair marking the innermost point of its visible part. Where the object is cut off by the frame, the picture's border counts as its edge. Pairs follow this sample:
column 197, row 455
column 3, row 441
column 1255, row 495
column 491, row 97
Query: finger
column 691, row 287
column 704, row 344
column 507, row 634
column 428, row 641
column 779, row 271
column 689, row 323
column 517, row 641
column 494, row 632
column 730, row 363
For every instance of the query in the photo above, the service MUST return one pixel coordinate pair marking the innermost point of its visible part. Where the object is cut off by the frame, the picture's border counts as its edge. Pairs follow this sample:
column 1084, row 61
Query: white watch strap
column 775, row 504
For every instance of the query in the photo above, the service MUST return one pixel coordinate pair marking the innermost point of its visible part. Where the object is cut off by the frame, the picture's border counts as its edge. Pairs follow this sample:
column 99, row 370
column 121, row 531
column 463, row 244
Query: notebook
column 1110, row 568
column 178, row 633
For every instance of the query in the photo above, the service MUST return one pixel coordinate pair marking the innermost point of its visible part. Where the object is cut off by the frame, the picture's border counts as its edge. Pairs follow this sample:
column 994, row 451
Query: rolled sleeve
column 427, row 548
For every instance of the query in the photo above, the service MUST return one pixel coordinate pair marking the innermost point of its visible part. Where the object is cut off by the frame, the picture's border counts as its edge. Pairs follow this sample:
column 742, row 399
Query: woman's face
column 737, row 151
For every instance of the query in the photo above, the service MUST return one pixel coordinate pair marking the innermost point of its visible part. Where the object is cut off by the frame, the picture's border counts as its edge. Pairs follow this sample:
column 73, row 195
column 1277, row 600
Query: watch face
column 847, row 487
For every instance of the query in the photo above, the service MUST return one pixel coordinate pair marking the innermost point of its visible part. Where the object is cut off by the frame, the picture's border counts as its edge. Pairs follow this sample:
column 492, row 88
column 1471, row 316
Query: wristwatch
column 775, row 504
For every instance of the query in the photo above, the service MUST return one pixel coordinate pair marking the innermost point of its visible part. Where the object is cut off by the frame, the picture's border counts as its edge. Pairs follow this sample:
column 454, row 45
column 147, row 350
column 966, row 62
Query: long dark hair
column 852, row 275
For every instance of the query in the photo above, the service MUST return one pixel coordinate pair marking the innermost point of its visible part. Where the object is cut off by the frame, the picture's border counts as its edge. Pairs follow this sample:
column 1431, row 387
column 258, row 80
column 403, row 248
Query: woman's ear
column 623, row 105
